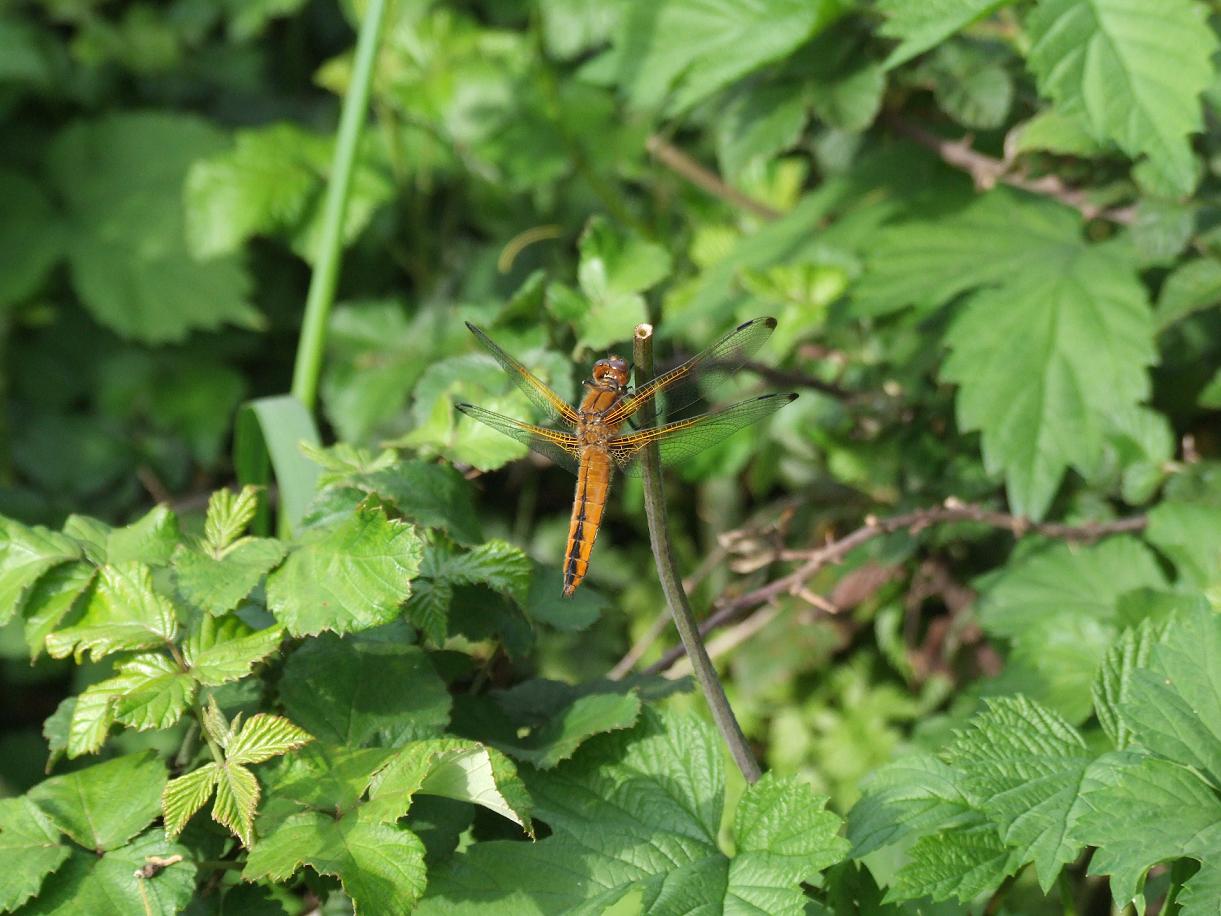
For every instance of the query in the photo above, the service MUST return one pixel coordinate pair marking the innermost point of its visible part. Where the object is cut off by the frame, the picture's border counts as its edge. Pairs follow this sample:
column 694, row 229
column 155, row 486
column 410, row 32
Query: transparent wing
column 539, row 393
column 553, row 444
column 697, row 378
column 683, row 439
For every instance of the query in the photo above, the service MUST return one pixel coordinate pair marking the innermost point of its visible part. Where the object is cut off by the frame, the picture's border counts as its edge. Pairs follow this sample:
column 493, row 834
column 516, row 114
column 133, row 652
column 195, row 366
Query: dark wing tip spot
column 470, row 327
column 769, row 321
column 790, row 396
column 463, row 406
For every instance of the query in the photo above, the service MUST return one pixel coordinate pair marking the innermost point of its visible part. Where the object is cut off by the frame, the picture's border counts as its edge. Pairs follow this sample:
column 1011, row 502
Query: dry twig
column 681, row 164
column 987, row 171
column 952, row 510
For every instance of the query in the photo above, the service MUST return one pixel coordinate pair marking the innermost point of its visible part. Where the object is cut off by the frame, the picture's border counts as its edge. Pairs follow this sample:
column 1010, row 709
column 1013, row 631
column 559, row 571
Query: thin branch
column 987, row 171
column 953, row 510
column 681, row 164
column 667, row 571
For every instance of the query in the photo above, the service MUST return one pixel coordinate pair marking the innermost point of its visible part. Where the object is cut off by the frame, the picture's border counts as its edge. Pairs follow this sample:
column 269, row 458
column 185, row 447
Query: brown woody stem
column 671, row 582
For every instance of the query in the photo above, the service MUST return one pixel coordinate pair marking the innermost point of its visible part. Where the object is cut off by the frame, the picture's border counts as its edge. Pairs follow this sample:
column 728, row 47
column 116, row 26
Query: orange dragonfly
column 591, row 444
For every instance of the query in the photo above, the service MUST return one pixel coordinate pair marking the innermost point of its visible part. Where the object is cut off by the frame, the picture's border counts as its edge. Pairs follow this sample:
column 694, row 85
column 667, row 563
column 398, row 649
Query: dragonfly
column 598, row 437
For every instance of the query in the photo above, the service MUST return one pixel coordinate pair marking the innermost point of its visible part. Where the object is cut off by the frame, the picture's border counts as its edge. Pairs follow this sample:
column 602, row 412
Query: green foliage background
column 988, row 230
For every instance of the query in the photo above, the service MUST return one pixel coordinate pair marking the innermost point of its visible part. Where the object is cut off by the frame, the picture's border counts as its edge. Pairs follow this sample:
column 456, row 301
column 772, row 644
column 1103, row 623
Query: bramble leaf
column 920, row 26
column 1068, row 596
column 123, row 612
column 112, row 884
column 25, row 554
column 350, row 692
column 1173, row 705
column 227, row 649
column 1141, row 811
column 272, row 182
column 639, row 811
column 183, row 796
column 103, row 806
column 129, row 259
column 1025, row 764
column 30, row 849
column 237, row 798
column 1040, row 360
column 689, row 49
column 262, row 737
column 218, row 584
column 381, row 866
column 452, row 768
column 350, row 576
column 1105, row 60
column 228, row 515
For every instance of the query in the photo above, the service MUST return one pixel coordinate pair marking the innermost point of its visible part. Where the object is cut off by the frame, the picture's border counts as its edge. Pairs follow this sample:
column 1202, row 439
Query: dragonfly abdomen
column 593, row 486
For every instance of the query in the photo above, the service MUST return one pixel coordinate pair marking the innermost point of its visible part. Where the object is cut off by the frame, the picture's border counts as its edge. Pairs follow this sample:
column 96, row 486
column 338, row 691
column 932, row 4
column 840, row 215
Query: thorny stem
column 671, row 583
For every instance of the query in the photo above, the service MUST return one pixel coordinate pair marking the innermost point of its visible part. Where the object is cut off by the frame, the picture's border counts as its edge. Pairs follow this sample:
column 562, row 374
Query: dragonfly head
column 610, row 373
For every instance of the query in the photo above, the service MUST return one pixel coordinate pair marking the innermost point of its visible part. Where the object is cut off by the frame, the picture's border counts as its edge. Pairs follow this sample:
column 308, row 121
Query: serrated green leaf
column 782, row 836
column 149, row 539
column 914, row 795
column 214, row 723
column 961, row 864
column 689, row 49
column 227, row 649
column 51, row 599
column 90, row 716
column 324, row 776
column 129, row 259
column 237, row 798
column 1140, row 811
column 920, row 26
column 1067, row 597
column 1042, row 358
column 123, row 612
column 1202, row 890
column 381, row 866
column 262, row 737
column 219, row 585
column 639, row 812
column 30, row 849
column 567, row 730
column 350, row 692
column 1112, row 686
column 451, row 768
column 1190, row 287
column 272, row 182
column 108, row 885
column 103, row 806
column 431, row 495
column 351, row 576
column 496, row 564
column 1105, row 60
column 994, row 238
column 25, row 554
column 1026, row 764
column 228, row 515
column 1173, row 707
column 759, row 123
column 151, row 691
column 183, row 796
